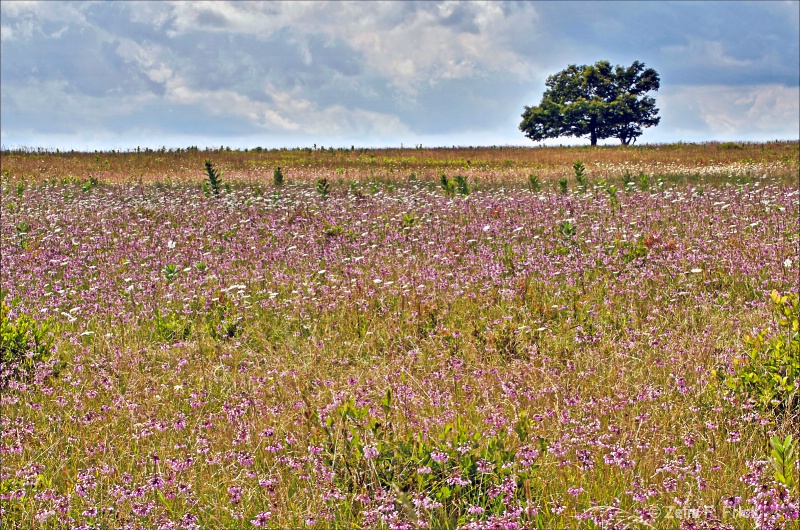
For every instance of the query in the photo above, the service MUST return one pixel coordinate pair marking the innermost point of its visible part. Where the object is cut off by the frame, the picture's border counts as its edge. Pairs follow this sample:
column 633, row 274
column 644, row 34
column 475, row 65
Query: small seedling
column 170, row 272
column 612, row 195
column 783, row 458
column 408, row 220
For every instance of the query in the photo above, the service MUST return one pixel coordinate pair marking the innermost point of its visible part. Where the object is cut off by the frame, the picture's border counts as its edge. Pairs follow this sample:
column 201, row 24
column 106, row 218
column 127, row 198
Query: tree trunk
column 593, row 137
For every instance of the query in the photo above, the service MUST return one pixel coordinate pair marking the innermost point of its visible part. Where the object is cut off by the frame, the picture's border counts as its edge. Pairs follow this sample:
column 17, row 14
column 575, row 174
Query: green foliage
column 222, row 321
column 598, row 101
column 644, row 182
column 214, row 177
column 632, row 250
column 89, row 184
column 323, row 188
column 277, row 176
column 172, row 327
column 611, row 190
column 567, row 230
column 448, row 185
column 372, row 454
column 783, row 458
column 461, row 184
column 770, row 373
column 23, row 227
column 332, row 231
column 170, row 272
column 627, row 180
column 533, row 183
column 408, row 220
column 729, row 145
column 562, row 185
column 580, row 174
column 24, row 343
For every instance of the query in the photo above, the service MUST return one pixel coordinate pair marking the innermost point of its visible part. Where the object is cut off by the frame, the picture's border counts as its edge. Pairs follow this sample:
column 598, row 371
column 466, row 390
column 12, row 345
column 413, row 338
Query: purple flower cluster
column 507, row 360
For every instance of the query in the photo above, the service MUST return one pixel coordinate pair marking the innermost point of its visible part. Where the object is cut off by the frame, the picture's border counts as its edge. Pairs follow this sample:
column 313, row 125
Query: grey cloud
column 83, row 61
column 687, row 42
column 212, row 19
column 390, row 71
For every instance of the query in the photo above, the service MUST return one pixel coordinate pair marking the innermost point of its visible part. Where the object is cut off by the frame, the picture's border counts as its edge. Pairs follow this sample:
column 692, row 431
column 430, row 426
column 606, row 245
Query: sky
column 116, row 75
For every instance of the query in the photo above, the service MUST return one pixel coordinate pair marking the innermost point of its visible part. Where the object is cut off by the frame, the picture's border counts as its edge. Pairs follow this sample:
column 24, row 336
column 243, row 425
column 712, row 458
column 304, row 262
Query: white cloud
column 733, row 112
column 366, row 72
column 412, row 45
column 67, row 12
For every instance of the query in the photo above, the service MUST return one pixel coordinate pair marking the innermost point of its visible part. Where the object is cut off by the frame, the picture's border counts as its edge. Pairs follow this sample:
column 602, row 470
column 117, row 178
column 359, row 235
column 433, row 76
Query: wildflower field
column 476, row 338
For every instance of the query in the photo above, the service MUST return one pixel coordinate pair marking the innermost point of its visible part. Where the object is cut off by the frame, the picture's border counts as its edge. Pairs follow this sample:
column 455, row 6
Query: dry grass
column 504, row 164
column 273, row 351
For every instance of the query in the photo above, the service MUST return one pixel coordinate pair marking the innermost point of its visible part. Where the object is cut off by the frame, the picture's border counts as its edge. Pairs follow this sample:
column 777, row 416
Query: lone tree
column 598, row 101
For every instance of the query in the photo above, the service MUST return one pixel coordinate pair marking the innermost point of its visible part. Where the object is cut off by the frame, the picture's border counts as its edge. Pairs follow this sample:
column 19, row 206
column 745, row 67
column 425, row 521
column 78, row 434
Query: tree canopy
column 595, row 101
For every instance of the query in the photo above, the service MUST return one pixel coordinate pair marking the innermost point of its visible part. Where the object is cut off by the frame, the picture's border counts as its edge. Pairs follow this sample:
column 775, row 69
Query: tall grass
column 392, row 357
column 501, row 164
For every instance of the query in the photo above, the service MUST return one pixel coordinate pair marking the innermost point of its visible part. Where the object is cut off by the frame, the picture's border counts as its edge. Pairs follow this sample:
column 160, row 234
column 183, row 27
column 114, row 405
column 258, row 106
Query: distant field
column 523, row 342
column 487, row 164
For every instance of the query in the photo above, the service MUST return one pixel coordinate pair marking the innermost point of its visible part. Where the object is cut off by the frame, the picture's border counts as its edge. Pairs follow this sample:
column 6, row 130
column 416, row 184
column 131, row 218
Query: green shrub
column 461, row 184
column 277, row 176
column 332, row 231
column 223, row 323
column 89, row 184
column 172, row 327
column 373, row 455
column 644, row 182
column 24, row 344
column 770, row 373
column 448, row 185
column 533, row 183
column 408, row 220
column 628, row 181
column 214, row 177
column 729, row 145
column 580, row 174
column 323, row 188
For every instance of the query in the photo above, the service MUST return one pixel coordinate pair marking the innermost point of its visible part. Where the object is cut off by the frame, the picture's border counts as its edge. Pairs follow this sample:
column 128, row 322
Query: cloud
column 412, row 45
column 357, row 72
column 756, row 112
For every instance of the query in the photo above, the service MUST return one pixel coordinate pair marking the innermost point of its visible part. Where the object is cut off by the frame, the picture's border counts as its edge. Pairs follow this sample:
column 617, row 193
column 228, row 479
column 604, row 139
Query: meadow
column 473, row 338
